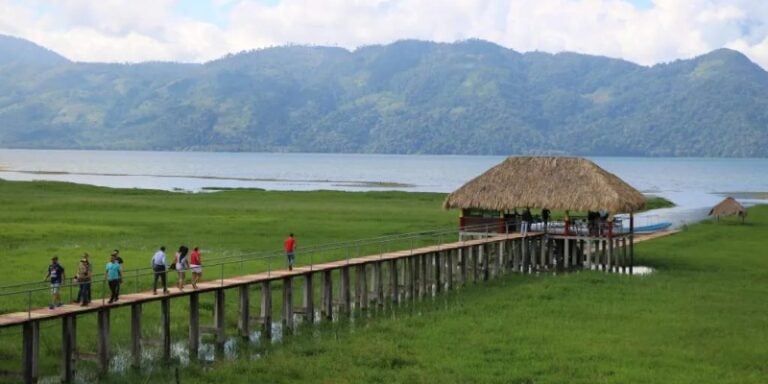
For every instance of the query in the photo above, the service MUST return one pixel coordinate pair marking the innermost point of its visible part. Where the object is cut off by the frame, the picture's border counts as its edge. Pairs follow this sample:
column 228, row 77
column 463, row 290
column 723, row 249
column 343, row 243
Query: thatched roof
column 560, row 183
column 727, row 207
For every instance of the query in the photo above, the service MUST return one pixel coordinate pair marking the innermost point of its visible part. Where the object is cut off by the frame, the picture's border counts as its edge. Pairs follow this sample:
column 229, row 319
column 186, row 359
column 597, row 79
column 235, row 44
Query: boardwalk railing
column 30, row 295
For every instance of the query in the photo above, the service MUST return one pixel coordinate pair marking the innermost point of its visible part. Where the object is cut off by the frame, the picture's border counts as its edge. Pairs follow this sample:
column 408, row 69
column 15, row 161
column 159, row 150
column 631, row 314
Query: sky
column 642, row 31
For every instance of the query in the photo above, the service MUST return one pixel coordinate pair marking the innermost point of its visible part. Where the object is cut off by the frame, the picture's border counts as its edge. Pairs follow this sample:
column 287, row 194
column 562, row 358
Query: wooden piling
column 136, row 335
column 449, row 262
column 438, row 271
column 362, row 286
column 287, row 305
column 309, row 298
column 463, row 254
column 345, row 292
column 424, row 276
column 393, row 280
column 244, row 311
column 30, row 351
column 102, row 341
column 218, row 316
column 266, row 309
column 68, row 345
column 194, row 325
column 411, row 282
column 378, row 276
column 631, row 243
column 328, row 295
column 165, row 325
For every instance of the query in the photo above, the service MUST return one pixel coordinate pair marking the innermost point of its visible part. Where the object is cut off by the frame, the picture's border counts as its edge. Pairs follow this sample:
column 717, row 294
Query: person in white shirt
column 158, row 266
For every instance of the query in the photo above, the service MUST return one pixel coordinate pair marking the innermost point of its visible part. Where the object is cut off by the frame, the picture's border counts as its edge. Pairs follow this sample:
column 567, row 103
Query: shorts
column 55, row 287
column 196, row 268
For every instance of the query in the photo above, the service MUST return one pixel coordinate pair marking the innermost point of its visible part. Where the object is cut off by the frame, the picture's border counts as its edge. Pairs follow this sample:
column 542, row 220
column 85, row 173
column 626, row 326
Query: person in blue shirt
column 113, row 276
column 56, row 276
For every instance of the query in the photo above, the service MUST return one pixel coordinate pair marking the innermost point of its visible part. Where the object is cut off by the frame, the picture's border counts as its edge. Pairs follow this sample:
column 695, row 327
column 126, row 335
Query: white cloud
column 111, row 30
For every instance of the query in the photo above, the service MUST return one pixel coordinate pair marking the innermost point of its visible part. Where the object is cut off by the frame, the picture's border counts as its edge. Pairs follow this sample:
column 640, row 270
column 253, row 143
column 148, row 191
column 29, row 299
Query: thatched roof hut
column 560, row 183
column 728, row 207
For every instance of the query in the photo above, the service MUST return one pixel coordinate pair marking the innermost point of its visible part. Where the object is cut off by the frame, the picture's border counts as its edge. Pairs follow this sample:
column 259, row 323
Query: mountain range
column 468, row 97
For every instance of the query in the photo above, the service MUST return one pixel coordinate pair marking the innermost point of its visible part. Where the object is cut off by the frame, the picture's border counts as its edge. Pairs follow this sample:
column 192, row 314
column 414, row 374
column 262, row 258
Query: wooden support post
column 424, row 276
column 500, row 259
column 30, row 351
column 449, row 257
column 475, row 251
column 566, row 253
column 68, row 345
column 266, row 309
column 244, row 311
column 484, row 255
column 136, row 335
column 102, row 341
column 362, row 286
column 378, row 283
column 165, row 326
column 438, row 272
column 411, row 277
column 328, row 294
column 345, row 292
column 544, row 239
column 393, row 280
column 631, row 243
column 309, row 299
column 464, row 253
column 194, row 325
column 287, row 305
column 610, row 255
column 623, row 254
column 218, row 316
column 524, row 254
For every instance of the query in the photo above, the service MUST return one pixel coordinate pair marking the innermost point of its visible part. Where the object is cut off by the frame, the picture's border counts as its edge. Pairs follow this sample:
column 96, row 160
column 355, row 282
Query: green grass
column 700, row 318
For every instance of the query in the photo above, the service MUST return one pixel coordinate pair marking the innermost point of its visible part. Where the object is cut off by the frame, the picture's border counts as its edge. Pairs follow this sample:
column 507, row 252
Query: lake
column 694, row 184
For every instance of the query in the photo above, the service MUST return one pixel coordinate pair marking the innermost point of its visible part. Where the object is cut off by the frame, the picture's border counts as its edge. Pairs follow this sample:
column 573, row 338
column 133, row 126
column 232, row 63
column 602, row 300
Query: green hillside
column 470, row 97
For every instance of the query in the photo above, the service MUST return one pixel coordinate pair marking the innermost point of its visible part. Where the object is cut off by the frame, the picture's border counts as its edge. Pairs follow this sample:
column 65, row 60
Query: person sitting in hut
column 545, row 218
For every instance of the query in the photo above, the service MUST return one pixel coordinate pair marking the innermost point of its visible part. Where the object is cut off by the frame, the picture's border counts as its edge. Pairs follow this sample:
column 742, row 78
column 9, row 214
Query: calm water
column 693, row 184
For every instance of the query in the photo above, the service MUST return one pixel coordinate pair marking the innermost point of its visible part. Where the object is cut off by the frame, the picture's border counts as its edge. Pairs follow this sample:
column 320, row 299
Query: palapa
column 728, row 207
column 561, row 183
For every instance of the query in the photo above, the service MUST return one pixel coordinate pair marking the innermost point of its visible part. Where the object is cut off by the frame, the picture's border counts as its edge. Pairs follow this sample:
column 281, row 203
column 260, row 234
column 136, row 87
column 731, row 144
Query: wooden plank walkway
column 17, row 318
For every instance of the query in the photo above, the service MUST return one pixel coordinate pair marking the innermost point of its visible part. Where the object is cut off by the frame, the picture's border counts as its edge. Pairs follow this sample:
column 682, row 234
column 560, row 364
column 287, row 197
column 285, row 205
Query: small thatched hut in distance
column 728, row 207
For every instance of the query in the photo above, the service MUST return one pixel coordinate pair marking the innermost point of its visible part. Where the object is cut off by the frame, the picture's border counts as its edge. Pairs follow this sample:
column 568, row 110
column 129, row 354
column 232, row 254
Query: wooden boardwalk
column 17, row 318
column 410, row 274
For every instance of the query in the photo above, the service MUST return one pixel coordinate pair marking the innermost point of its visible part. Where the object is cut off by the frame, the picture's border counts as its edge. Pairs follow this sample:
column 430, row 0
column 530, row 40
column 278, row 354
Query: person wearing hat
column 83, row 278
column 55, row 276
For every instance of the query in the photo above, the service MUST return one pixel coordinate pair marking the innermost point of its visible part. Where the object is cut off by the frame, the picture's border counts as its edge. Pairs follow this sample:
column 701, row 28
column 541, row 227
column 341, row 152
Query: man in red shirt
column 290, row 247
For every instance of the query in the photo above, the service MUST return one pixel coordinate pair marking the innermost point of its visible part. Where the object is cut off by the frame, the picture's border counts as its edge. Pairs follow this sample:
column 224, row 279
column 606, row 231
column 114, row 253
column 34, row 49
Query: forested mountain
column 470, row 97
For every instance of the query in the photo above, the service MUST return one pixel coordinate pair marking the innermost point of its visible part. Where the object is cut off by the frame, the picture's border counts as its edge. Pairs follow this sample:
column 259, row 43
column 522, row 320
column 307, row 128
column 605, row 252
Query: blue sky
column 643, row 31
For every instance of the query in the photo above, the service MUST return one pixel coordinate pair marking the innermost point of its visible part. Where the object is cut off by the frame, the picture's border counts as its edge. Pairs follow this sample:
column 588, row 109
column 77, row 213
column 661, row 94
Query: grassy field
column 450, row 339
column 702, row 317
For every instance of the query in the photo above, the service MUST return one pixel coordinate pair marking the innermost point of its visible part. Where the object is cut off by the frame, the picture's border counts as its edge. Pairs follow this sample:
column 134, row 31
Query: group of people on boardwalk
column 183, row 261
column 113, row 274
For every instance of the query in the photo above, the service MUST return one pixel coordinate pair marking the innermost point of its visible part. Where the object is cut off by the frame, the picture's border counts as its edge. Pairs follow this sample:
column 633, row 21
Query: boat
column 653, row 227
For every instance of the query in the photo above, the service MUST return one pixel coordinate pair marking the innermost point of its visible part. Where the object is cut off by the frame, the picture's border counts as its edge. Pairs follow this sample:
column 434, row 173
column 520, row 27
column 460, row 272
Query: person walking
column 83, row 278
column 114, row 276
column 159, row 268
column 182, row 264
column 290, row 250
column 527, row 218
column 196, row 265
column 545, row 218
column 55, row 276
